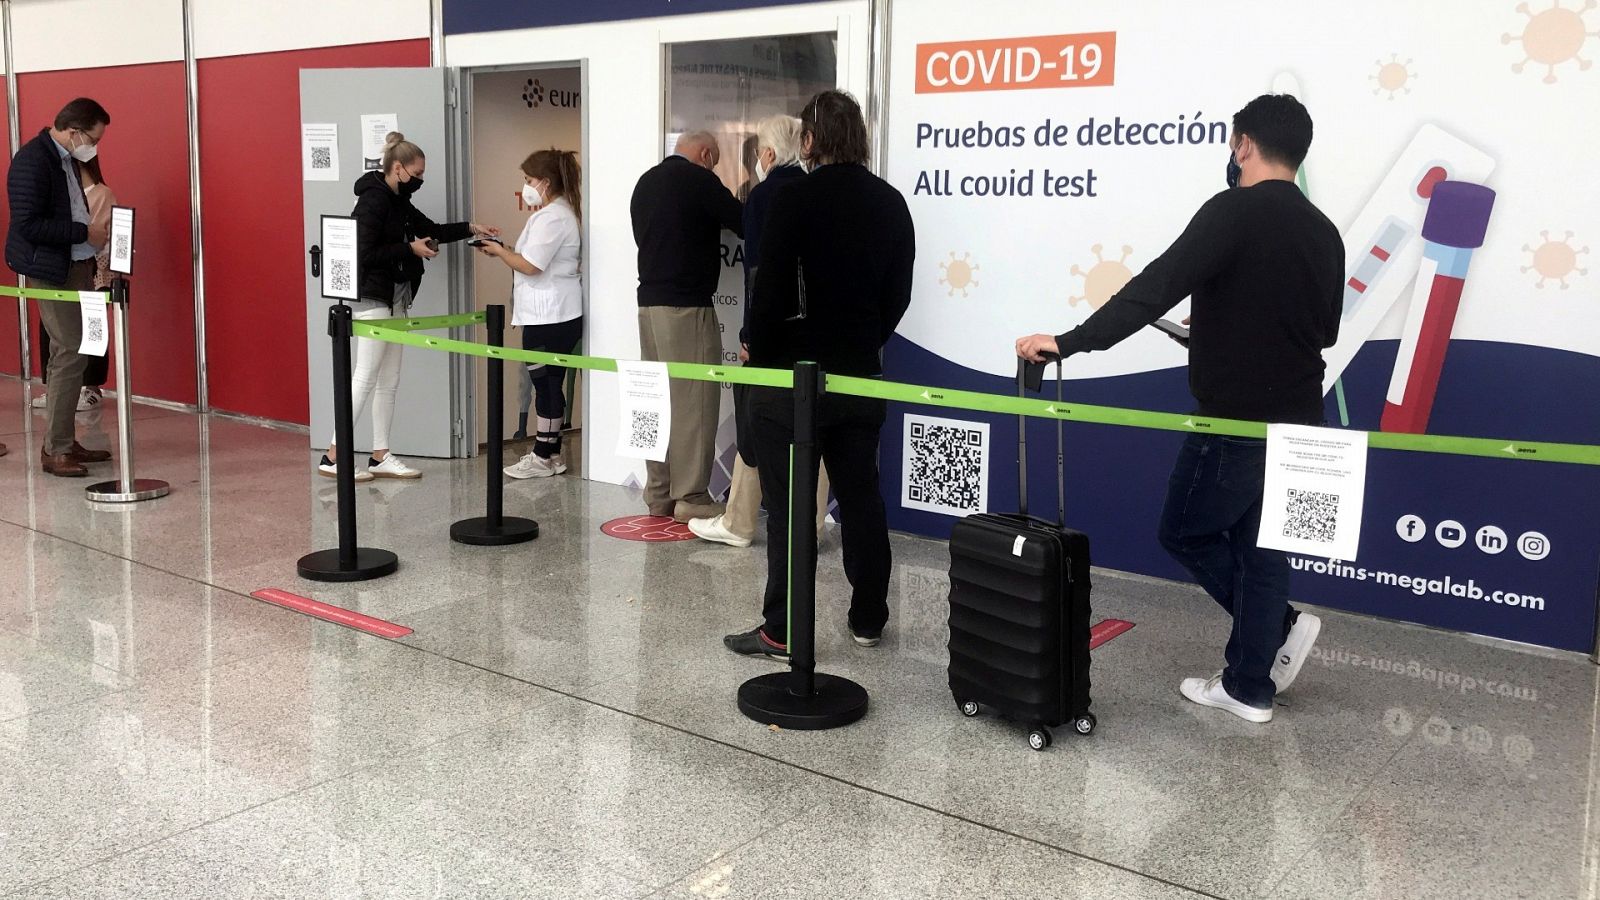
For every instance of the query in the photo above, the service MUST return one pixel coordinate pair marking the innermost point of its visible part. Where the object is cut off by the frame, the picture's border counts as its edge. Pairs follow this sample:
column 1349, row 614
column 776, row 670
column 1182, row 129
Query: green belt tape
column 65, row 296
column 1489, row 448
column 426, row 323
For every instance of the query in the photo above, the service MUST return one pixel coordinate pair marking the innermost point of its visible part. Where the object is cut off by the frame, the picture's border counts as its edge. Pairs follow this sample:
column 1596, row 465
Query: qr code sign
column 945, row 466
column 96, row 329
column 339, row 276
column 644, row 429
column 1312, row 516
column 321, row 157
column 121, row 248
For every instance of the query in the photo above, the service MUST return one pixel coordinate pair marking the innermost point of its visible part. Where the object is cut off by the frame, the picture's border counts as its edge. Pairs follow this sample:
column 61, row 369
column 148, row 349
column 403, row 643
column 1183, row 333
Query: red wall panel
column 254, row 225
column 10, row 360
column 145, row 157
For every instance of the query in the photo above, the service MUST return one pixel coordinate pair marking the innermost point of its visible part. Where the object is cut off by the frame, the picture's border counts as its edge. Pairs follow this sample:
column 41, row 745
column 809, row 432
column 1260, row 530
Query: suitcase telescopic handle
column 1031, row 374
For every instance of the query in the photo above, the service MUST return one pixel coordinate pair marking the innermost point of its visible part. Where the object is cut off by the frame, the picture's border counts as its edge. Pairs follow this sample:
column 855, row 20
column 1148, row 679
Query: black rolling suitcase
column 1019, row 610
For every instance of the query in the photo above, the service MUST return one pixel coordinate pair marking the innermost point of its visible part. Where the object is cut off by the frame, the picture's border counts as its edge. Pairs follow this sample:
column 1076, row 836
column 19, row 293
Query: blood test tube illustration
column 1458, row 217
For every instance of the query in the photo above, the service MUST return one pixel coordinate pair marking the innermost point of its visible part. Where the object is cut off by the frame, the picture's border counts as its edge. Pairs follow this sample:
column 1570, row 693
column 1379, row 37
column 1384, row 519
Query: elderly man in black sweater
column 679, row 210
column 1266, row 272
column 848, row 236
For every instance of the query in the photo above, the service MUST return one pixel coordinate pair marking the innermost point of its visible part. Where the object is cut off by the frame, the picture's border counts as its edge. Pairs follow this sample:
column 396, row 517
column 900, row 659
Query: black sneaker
column 755, row 643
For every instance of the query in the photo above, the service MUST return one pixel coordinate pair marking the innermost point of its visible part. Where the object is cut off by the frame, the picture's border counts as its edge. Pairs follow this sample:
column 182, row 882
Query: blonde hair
column 782, row 134
column 396, row 149
column 560, row 168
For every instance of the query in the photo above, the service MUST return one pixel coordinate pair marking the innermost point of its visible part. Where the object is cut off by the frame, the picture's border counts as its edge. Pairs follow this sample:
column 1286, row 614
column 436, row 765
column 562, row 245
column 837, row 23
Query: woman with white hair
column 777, row 162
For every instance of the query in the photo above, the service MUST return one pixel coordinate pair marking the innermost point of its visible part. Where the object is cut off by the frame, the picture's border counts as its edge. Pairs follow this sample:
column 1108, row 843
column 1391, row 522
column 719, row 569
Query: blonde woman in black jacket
column 392, row 239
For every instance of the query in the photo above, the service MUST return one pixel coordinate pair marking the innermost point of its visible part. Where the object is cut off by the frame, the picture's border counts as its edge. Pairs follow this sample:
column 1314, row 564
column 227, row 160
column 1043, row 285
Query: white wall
column 625, row 124
column 51, row 35
column 236, row 27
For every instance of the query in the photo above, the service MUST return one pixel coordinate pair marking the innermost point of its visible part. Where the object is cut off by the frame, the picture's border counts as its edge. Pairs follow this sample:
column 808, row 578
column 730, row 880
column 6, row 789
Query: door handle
column 316, row 261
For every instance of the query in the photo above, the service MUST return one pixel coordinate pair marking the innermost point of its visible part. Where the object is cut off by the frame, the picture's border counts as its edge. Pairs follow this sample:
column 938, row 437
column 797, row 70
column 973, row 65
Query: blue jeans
column 1209, row 525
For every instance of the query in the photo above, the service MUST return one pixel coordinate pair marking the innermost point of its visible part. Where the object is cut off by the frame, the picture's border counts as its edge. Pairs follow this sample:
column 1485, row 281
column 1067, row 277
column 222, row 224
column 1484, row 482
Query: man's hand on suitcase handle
column 1038, row 348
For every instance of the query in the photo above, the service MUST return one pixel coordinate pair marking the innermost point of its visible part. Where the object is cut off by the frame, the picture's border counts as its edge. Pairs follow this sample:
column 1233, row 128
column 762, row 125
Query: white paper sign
column 1315, row 482
column 121, row 240
column 340, row 276
column 96, row 324
column 374, row 129
column 646, row 410
column 319, row 148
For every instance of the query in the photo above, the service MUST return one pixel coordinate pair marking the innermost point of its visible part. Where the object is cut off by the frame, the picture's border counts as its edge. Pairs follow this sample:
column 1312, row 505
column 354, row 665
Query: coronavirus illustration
column 1393, row 77
column 1554, row 260
column 1552, row 37
column 1104, row 278
column 959, row 273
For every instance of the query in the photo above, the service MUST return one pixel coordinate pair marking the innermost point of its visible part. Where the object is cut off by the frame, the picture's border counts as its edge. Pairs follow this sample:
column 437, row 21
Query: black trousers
column 550, row 382
column 847, row 437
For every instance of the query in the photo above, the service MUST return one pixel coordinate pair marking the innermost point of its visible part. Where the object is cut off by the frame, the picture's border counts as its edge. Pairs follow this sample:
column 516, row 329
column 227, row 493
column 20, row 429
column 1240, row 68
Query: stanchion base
column 479, row 533
column 323, row 565
column 837, row 702
column 112, row 492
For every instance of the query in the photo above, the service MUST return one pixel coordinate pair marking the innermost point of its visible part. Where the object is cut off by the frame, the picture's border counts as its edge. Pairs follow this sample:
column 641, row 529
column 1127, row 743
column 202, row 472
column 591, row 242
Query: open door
column 429, row 405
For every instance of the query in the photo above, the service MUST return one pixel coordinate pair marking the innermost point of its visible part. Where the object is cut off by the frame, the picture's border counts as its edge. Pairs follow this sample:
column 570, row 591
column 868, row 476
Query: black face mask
column 1234, row 172
column 407, row 188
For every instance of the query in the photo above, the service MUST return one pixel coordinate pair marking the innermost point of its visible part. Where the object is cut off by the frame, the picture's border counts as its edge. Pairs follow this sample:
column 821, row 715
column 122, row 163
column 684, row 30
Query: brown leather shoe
column 63, row 466
column 82, row 455
column 3, row 450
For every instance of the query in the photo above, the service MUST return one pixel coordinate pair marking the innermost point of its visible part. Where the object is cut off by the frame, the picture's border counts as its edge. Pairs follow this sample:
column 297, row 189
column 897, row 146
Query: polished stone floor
column 562, row 724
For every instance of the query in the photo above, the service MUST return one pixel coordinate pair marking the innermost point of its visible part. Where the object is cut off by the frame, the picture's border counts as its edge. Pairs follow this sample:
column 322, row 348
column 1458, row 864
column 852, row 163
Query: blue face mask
column 1234, row 172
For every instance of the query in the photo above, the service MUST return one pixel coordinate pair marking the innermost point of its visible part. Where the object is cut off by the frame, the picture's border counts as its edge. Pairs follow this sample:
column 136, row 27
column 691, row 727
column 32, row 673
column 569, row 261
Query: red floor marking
column 335, row 614
column 653, row 529
column 1106, row 630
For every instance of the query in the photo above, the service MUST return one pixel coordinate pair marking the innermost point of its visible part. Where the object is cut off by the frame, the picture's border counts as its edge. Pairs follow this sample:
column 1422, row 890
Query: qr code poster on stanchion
column 945, row 468
column 339, row 281
column 121, row 254
column 1315, row 485
column 645, row 423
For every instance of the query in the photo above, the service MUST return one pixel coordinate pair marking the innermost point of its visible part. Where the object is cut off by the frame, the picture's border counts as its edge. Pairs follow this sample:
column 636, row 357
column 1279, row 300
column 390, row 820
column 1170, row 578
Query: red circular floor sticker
column 654, row 529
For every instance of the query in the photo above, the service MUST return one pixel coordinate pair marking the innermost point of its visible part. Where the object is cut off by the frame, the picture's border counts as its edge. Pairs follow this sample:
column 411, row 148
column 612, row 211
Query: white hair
column 692, row 141
column 782, row 135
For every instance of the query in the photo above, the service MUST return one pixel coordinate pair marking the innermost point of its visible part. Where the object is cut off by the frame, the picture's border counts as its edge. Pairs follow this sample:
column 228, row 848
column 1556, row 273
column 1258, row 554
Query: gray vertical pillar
column 24, row 345
column 197, row 239
column 878, row 85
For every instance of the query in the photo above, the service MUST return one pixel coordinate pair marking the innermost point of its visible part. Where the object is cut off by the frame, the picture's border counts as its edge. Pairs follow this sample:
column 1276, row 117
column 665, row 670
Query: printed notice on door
column 319, row 146
column 1315, row 482
column 646, row 411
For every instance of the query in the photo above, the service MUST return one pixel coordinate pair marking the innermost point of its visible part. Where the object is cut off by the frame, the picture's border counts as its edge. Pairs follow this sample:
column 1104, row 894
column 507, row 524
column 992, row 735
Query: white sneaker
column 37, row 402
column 713, row 530
column 532, row 465
column 327, row 469
column 1210, row 692
column 88, row 398
column 1296, row 650
column 392, row 467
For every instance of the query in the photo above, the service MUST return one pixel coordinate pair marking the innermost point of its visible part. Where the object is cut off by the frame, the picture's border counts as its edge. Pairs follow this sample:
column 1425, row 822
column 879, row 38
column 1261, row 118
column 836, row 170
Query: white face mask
column 85, row 152
column 530, row 197
column 761, row 171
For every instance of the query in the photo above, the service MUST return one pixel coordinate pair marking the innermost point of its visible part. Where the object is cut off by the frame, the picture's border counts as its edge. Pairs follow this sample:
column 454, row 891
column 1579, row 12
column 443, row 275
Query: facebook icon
column 1411, row 529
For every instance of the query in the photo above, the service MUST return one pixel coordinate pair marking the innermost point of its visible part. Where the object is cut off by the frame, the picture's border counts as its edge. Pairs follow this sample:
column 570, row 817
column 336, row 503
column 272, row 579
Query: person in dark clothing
column 392, row 239
column 777, row 163
column 680, row 208
column 49, row 241
column 848, row 235
column 1265, row 269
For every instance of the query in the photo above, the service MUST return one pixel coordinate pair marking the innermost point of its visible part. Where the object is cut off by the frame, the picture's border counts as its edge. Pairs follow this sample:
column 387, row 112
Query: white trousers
column 375, row 377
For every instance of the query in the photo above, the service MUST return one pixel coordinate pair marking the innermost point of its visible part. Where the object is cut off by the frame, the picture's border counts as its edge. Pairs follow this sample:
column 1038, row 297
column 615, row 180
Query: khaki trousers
column 64, row 369
column 744, row 500
column 686, row 335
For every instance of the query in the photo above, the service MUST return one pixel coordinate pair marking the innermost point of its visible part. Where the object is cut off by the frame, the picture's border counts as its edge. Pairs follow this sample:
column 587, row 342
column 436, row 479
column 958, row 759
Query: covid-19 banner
column 1051, row 151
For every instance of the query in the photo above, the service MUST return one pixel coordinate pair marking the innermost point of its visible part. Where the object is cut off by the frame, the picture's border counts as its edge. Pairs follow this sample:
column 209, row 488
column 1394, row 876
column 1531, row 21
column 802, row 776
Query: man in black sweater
column 1265, row 269
column 679, row 210
column 847, row 236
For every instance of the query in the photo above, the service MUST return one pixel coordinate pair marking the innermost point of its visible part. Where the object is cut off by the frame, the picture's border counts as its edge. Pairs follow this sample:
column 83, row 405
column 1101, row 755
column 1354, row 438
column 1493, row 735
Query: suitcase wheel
column 1084, row 724
column 1039, row 738
column 970, row 708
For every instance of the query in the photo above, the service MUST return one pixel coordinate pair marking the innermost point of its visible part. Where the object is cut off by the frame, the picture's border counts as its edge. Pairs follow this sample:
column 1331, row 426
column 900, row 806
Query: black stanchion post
column 803, row 698
column 494, row 529
column 347, row 562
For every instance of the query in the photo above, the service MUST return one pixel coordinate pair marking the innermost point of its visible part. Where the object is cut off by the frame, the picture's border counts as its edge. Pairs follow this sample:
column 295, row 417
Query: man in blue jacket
column 50, row 244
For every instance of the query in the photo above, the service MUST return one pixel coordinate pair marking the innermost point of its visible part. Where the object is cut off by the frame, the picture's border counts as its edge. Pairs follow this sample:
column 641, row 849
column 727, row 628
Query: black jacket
column 386, row 224
column 852, row 233
column 679, row 210
column 1265, row 269
column 42, row 233
column 755, row 218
